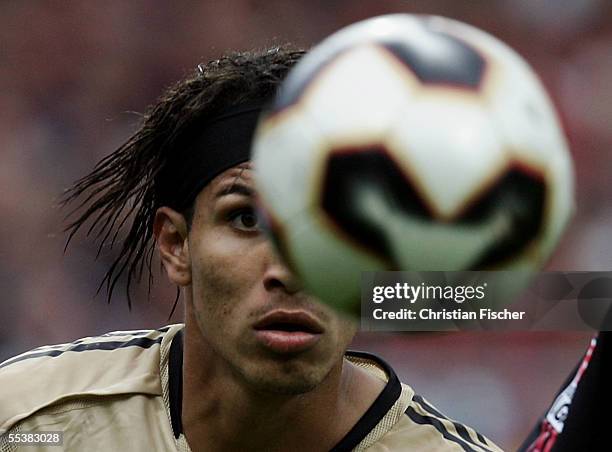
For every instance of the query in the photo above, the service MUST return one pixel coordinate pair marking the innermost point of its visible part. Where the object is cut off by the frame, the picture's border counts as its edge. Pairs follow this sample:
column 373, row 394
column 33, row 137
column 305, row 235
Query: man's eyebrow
column 235, row 188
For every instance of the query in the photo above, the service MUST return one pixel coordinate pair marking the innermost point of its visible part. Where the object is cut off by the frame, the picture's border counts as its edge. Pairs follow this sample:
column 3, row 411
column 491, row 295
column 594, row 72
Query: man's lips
column 286, row 332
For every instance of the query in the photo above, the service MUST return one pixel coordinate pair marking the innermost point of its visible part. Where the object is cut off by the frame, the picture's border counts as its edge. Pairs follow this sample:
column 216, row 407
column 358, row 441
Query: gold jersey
column 122, row 391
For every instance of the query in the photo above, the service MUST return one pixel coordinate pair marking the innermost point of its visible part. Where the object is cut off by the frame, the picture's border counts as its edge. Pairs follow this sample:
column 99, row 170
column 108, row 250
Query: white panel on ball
column 449, row 146
column 286, row 158
column 356, row 97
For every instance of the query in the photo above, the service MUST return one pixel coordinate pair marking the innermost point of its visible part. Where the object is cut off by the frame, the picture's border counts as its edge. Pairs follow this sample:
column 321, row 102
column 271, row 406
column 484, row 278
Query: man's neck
column 221, row 412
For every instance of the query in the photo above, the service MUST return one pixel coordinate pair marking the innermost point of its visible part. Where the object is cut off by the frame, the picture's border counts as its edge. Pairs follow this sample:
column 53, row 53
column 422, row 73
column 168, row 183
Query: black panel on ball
column 347, row 169
column 444, row 59
column 520, row 193
column 523, row 195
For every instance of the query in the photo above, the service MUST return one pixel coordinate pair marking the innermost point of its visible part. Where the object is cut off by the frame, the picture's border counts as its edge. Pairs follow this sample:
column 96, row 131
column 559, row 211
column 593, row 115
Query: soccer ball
column 411, row 143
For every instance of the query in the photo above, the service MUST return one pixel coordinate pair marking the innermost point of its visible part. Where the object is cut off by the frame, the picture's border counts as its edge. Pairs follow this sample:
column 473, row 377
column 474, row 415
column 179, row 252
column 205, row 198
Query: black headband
column 224, row 142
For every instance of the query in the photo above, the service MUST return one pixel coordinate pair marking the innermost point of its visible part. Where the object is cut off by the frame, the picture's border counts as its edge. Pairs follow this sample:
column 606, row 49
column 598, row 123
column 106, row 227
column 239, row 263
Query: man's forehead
column 242, row 173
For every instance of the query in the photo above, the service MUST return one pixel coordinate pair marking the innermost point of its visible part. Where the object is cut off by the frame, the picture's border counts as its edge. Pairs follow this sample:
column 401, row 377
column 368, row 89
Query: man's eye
column 245, row 220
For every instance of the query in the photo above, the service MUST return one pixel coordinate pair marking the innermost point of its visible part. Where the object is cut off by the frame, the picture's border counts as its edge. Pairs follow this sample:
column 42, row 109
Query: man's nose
column 278, row 276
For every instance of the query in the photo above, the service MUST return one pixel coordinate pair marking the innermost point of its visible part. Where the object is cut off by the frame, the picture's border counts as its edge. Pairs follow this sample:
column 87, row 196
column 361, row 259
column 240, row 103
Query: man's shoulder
column 426, row 428
column 110, row 365
column 400, row 419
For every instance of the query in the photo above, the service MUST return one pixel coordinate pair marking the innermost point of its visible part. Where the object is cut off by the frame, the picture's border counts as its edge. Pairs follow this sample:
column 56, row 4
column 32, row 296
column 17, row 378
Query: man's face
column 248, row 305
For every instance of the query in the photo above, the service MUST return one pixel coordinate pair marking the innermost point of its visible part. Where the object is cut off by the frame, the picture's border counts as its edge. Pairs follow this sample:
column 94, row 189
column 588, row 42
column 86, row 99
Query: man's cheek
column 226, row 246
column 220, row 290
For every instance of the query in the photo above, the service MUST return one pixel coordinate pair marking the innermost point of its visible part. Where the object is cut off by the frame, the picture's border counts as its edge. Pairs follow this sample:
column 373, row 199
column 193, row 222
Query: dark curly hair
column 124, row 189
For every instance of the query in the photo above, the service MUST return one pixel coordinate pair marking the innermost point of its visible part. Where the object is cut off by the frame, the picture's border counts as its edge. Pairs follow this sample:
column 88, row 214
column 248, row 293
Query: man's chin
column 283, row 381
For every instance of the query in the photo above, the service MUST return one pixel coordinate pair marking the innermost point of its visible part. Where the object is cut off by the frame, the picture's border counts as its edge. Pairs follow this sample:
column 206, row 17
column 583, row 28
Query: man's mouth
column 286, row 332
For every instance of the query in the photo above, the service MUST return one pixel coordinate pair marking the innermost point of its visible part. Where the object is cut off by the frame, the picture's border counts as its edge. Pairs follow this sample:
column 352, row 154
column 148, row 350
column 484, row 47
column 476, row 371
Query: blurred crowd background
column 74, row 76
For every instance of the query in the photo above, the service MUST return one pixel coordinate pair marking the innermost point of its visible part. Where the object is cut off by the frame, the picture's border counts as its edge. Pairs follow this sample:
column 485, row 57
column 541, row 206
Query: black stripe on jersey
column 459, row 427
column 429, row 420
column 112, row 334
column 175, row 383
column 143, row 342
column 481, row 438
column 381, row 406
